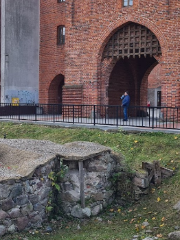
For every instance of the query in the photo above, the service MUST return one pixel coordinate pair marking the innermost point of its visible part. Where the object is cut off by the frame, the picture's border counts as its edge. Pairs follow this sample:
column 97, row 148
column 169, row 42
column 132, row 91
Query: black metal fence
column 138, row 116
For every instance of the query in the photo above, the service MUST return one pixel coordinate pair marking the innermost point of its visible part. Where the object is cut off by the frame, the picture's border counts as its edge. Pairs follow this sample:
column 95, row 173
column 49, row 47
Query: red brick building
column 92, row 51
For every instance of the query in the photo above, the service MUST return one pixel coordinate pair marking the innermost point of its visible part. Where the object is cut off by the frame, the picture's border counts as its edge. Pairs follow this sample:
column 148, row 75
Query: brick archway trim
column 112, row 28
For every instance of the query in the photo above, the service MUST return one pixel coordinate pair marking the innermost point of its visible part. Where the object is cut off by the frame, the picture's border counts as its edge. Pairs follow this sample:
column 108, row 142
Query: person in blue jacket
column 125, row 104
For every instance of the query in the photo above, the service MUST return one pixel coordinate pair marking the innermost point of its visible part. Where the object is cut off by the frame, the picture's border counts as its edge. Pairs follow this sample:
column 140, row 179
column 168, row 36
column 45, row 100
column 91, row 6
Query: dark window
column 60, row 35
column 60, row 1
column 127, row 3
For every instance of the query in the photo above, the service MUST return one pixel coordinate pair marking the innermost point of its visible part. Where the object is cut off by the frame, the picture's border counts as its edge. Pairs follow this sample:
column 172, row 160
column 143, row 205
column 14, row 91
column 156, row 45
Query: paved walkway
column 91, row 126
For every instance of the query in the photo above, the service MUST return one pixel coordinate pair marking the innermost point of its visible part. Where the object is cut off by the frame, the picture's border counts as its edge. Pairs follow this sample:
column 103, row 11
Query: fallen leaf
column 132, row 220
column 158, row 199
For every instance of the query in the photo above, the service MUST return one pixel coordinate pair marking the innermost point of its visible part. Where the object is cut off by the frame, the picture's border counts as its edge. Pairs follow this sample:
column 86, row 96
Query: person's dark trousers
column 125, row 113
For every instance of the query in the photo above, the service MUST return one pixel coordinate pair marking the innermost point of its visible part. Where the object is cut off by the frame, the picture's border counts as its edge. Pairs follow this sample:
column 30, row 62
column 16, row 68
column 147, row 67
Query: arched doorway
column 55, row 92
column 134, row 49
column 154, row 86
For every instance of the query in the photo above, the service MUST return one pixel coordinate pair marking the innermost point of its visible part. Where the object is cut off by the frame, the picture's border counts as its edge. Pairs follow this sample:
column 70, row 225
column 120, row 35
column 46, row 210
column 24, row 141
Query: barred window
column 60, row 1
column 127, row 3
column 61, row 35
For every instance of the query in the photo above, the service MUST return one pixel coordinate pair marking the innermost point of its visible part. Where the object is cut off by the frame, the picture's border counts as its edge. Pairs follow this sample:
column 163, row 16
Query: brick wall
column 154, row 79
column 51, row 55
column 89, row 26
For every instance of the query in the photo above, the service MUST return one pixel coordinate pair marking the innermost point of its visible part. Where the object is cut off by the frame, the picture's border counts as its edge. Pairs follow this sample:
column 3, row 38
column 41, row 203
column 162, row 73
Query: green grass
column 156, row 208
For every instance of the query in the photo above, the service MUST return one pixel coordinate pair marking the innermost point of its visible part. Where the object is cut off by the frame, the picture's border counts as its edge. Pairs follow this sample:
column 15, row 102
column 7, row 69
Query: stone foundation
column 97, row 188
column 95, row 177
column 24, row 185
column 23, row 201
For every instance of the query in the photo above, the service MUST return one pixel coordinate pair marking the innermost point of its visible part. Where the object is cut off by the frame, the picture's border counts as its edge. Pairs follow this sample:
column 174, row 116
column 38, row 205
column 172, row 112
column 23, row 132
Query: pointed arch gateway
column 133, row 49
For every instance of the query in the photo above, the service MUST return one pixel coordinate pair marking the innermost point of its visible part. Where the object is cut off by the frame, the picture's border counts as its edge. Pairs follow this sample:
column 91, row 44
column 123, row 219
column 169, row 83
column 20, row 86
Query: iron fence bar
column 69, row 113
column 105, row 114
column 81, row 114
column 63, row 112
column 149, row 117
column 10, row 111
column 116, row 115
column 36, row 106
column 173, row 119
column 94, row 115
column 153, row 118
column 53, row 112
column 177, row 117
column 142, row 117
column 162, row 117
column 19, row 112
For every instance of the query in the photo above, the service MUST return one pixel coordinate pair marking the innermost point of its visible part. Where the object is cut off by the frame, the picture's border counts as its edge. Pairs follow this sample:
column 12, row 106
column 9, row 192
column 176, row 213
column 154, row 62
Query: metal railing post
column 10, row 110
column 177, row 116
column 73, row 114
column 63, row 112
column 153, row 117
column 149, row 116
column 94, row 115
column 19, row 112
column 117, row 116
column 53, row 107
column 173, row 118
column 36, row 112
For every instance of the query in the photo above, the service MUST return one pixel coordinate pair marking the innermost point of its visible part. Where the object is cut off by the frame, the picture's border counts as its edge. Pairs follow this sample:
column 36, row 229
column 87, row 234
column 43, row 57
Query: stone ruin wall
column 23, row 199
column 98, row 190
